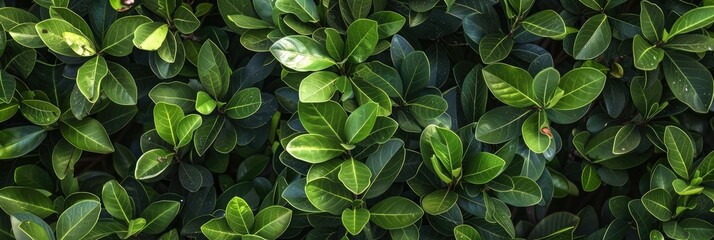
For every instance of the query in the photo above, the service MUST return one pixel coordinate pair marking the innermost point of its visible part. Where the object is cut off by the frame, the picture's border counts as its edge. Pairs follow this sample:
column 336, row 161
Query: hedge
column 356, row 119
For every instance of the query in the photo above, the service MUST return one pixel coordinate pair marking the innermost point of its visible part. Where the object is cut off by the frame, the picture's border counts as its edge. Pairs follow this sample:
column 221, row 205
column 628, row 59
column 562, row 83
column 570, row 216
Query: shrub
column 356, row 119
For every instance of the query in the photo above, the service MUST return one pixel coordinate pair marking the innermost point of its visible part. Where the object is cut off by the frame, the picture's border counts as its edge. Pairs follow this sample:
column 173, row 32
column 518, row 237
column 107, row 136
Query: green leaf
column 314, row 148
column 415, row 72
column 328, row 196
column 18, row 141
column 14, row 199
column 318, row 87
column 466, row 232
column 116, row 201
column 186, row 127
column 213, row 70
column 89, row 77
column 545, row 84
column 680, row 150
column 31, row 230
column 327, row 119
column 159, row 215
column 483, row 168
column 546, row 23
column 645, row 55
column 39, row 112
column 537, row 132
column 428, row 106
column 79, row 44
column 166, row 119
column 118, row 39
column 525, row 193
column 580, row 87
column 511, row 85
column 247, row 22
column 149, row 36
column 684, row 189
column 355, row 176
column 589, row 178
column 439, row 201
column 334, row 43
column 153, row 163
column 501, row 124
column 51, row 31
column 305, row 10
column 185, row 21
column 354, row 220
column 239, row 215
column 651, row 21
column 177, row 93
column 360, row 123
column 272, row 221
column 362, row 37
column 696, row 43
column 495, row 47
column 395, row 213
column 163, row 8
column 658, row 202
column 26, row 35
column 593, row 38
column 87, row 134
column 388, row 23
column 692, row 20
column 218, row 229
column 626, row 139
column 7, row 87
column 244, row 103
column 690, row 81
column 204, row 103
column 301, row 53
column 11, row 17
column 135, row 226
column 76, row 221
column 119, row 85
column 64, row 157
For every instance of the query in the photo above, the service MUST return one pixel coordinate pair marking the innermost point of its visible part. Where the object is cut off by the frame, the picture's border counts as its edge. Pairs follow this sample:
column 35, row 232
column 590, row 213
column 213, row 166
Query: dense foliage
column 356, row 119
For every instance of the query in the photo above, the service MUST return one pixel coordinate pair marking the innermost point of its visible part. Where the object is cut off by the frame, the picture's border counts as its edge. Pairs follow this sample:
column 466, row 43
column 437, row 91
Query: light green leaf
column 388, row 23
column 546, row 23
column 118, row 39
column 76, row 221
column 249, row 22
column 31, row 230
column 11, row 17
column 355, row 176
column 14, row 199
column 64, row 157
column 218, row 229
column 116, row 201
column 314, row 148
column 692, row 20
column 395, row 213
column 119, row 85
column 89, row 77
column 354, row 220
column 244, row 103
column 318, row 87
column 483, row 168
column 87, row 134
column 8, row 85
column 626, row 139
column 580, row 87
column 79, row 44
column 272, row 221
column 680, row 150
column 537, row 132
column 327, row 119
column 301, row 53
column 511, row 85
column 428, row 106
column 204, row 103
column 415, row 72
column 186, row 127
column 51, row 31
column 239, row 215
column 593, row 38
column 153, row 163
column 439, row 201
column 696, row 43
column 360, row 123
column 466, row 232
column 149, row 36
column 589, row 178
column 362, row 37
column 166, row 119
column 26, row 35
column 545, row 84
column 185, row 21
